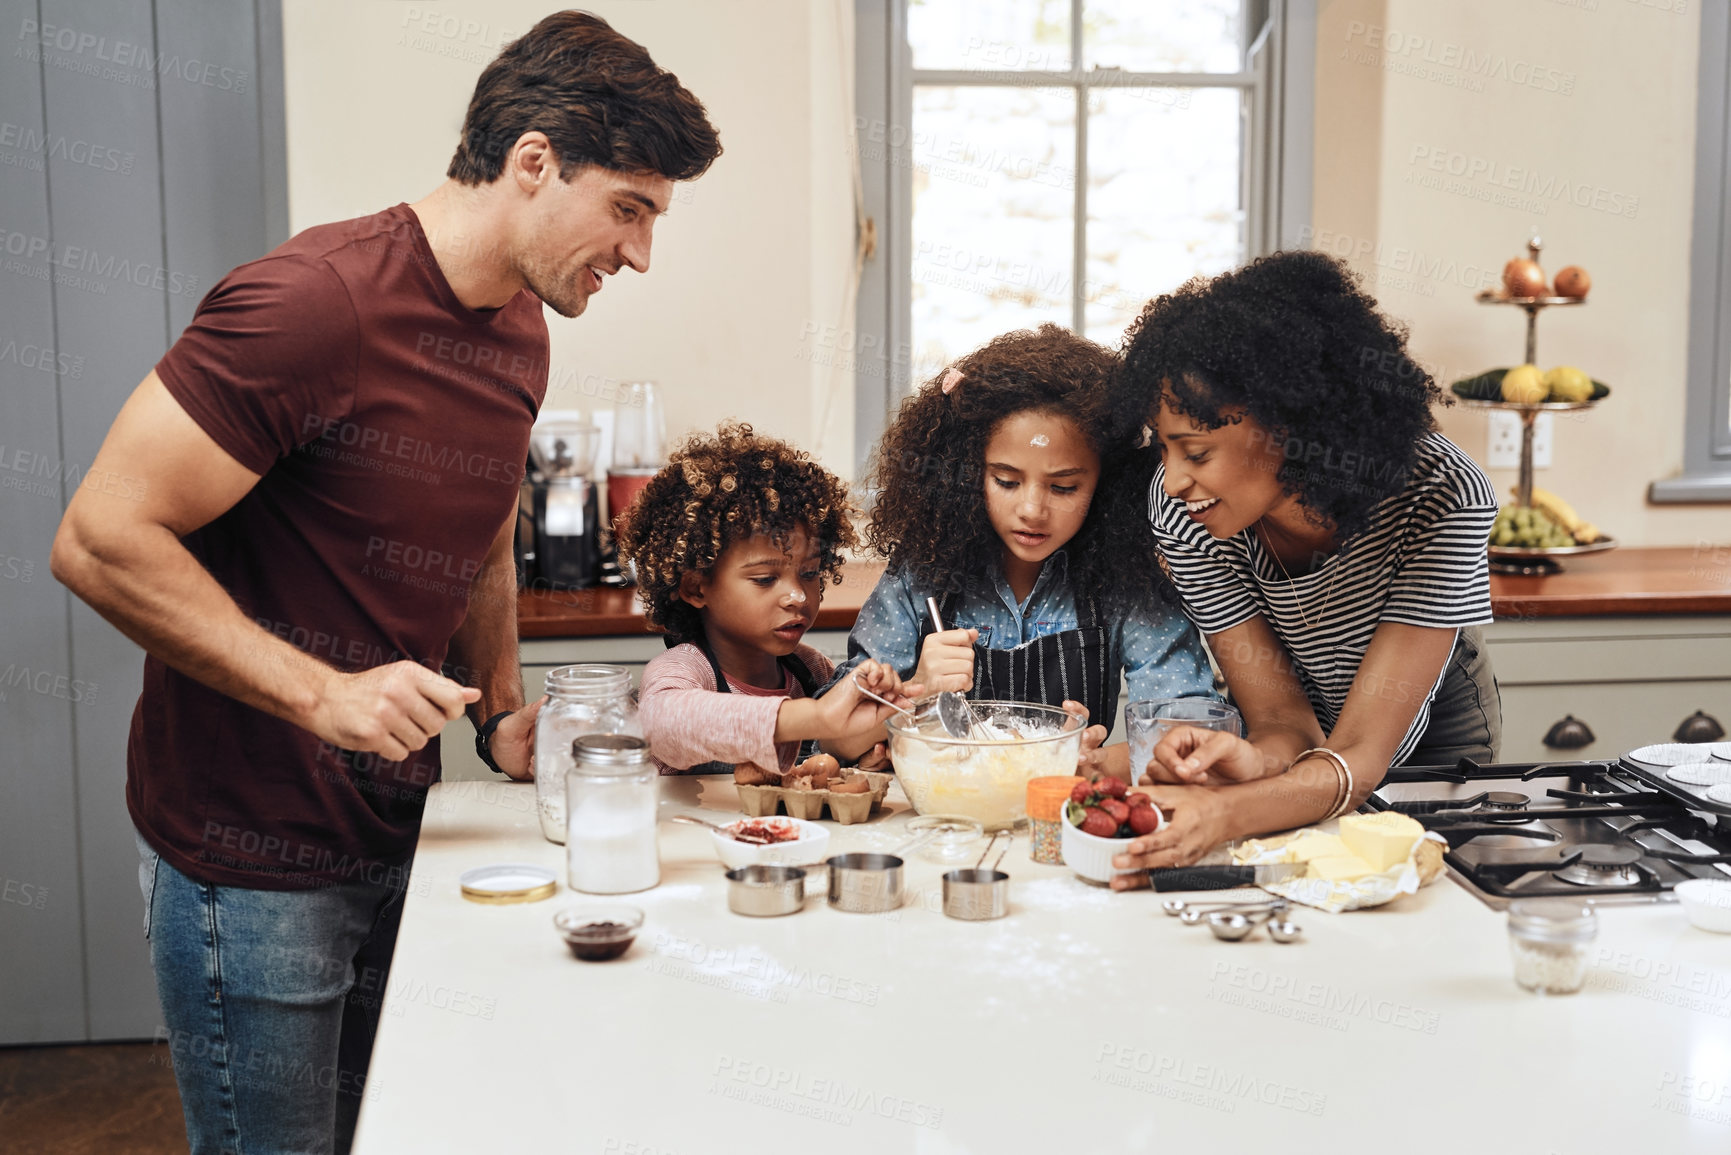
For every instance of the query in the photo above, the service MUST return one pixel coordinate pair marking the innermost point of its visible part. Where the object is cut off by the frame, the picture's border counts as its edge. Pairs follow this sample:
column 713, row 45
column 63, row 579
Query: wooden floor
column 101, row 1098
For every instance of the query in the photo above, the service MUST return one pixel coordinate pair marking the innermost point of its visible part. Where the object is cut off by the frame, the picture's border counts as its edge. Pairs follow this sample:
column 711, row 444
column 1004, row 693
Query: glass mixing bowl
column 984, row 777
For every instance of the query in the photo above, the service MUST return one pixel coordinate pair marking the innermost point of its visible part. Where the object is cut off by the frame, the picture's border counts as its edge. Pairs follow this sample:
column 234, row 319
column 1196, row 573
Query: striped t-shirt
column 1420, row 562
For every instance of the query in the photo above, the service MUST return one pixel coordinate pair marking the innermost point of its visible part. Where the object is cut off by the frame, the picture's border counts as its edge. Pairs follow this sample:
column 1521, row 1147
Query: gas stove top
column 1607, row 832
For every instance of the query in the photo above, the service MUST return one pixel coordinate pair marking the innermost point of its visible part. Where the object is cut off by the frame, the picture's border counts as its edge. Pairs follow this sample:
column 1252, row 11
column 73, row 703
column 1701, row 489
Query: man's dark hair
column 596, row 94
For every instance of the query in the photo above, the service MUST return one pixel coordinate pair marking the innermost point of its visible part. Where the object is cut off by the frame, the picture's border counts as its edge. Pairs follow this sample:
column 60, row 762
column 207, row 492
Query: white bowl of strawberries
column 1099, row 821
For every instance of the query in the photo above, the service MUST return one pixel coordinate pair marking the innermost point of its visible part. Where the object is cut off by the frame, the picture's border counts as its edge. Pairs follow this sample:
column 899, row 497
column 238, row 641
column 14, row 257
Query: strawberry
column 1112, row 787
column 1117, row 808
column 1098, row 823
column 1139, row 799
column 1144, row 819
column 1082, row 793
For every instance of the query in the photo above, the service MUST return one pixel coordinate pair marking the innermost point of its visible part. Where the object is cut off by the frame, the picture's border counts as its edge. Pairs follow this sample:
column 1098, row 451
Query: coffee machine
column 564, row 506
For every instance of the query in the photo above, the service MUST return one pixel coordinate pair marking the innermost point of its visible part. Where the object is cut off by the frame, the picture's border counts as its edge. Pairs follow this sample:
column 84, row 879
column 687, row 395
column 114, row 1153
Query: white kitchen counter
column 1085, row 1021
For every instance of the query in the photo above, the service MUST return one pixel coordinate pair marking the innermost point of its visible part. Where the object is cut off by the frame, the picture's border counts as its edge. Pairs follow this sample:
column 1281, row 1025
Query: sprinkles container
column 1046, row 798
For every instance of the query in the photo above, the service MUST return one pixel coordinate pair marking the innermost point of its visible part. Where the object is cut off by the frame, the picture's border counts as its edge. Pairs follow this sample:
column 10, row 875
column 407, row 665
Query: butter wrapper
column 1422, row 866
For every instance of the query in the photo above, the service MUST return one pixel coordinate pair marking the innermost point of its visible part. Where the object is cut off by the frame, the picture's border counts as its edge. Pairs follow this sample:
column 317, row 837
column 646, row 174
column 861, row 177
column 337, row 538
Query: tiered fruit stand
column 1510, row 559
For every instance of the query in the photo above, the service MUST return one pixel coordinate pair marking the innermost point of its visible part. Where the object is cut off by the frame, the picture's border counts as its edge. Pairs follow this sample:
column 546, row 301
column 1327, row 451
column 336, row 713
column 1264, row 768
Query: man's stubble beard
column 563, row 297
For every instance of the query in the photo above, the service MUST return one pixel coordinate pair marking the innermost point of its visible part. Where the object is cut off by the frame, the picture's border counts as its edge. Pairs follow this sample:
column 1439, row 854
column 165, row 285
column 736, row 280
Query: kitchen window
column 1025, row 161
column 1707, row 410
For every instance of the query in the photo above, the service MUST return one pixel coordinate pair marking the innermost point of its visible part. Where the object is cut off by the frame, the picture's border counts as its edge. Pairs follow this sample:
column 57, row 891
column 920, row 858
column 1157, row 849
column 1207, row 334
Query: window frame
column 1706, row 475
column 1278, row 76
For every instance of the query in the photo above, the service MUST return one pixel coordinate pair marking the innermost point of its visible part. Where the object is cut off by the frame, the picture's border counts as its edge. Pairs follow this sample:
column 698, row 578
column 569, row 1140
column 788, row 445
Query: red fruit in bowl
column 1117, row 808
column 1112, row 787
column 1098, row 823
column 1137, row 798
column 1081, row 793
column 1144, row 819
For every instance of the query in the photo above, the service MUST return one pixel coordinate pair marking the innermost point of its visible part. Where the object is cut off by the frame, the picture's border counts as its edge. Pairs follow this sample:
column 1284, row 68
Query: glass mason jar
column 1548, row 941
column 585, row 699
column 610, row 845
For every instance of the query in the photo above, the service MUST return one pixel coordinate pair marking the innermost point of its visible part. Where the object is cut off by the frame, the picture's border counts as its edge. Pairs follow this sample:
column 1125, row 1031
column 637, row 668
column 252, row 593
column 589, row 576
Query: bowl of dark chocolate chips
column 598, row 933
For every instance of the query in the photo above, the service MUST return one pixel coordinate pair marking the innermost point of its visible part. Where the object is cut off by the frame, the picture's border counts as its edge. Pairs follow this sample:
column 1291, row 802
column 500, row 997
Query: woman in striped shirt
column 1325, row 538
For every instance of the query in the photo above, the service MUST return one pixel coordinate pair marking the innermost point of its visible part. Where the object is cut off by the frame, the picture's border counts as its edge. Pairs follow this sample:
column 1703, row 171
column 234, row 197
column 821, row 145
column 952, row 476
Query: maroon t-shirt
column 389, row 424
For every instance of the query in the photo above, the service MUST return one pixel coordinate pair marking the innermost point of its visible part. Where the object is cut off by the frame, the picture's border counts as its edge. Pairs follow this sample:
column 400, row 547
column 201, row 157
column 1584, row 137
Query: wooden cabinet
column 1631, row 680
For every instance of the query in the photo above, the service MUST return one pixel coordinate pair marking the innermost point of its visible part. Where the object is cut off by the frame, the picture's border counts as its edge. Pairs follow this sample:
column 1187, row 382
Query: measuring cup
column 866, row 882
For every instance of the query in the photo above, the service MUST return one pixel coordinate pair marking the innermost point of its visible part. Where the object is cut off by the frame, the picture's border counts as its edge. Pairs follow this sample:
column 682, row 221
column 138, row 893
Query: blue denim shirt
column 1161, row 651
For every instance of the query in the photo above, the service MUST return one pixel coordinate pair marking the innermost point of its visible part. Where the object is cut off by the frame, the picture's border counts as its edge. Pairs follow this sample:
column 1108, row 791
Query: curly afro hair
column 716, row 491
column 1292, row 342
column 930, row 515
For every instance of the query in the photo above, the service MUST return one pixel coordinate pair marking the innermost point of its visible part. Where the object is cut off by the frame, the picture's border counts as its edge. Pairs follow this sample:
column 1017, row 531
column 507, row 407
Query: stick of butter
column 1339, row 868
column 1313, row 844
column 1383, row 839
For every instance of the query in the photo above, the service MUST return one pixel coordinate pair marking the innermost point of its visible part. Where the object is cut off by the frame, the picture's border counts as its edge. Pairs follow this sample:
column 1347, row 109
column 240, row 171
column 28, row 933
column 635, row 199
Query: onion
column 1523, row 278
column 1573, row 282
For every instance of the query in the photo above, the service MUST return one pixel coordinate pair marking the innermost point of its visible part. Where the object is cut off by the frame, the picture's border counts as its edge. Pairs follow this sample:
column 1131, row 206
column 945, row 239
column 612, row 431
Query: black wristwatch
column 484, row 739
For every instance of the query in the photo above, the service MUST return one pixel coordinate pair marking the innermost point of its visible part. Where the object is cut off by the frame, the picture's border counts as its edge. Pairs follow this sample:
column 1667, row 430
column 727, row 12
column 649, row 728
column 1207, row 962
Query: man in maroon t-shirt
column 318, row 564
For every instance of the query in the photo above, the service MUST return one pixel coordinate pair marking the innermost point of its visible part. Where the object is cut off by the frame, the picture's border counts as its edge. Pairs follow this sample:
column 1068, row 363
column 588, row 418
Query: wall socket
column 1504, row 440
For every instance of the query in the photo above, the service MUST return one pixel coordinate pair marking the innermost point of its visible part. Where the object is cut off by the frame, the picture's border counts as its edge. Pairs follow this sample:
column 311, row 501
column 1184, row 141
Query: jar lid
column 1046, row 796
column 1553, row 919
column 603, row 752
column 505, row 883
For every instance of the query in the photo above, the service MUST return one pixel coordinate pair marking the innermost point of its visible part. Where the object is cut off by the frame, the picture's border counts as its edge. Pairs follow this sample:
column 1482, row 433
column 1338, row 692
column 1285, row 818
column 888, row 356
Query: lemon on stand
column 1567, row 383
column 1525, row 385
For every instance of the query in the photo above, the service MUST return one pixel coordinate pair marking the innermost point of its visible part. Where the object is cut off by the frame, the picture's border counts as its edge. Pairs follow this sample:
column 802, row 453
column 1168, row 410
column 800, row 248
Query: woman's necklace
column 1292, row 586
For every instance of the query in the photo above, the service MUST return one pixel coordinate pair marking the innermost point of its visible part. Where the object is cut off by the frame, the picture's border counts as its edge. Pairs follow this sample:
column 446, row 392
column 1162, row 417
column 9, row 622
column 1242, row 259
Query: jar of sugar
column 610, row 796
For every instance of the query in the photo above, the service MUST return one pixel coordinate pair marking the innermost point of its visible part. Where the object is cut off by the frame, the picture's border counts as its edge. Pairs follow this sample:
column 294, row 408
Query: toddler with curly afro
column 732, row 543
column 1011, row 508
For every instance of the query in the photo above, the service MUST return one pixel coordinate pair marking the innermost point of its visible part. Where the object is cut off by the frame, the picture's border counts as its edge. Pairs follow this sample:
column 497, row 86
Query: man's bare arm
column 119, row 549
column 484, row 654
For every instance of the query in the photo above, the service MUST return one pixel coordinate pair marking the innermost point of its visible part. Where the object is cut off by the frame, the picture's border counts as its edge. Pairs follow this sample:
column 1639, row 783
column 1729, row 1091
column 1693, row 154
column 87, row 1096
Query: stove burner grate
column 1601, row 865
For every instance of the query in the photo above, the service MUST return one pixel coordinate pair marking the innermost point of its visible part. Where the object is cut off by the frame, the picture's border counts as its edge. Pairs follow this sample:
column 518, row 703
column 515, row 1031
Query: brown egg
column 820, row 763
column 858, row 784
column 1573, row 281
column 755, row 776
column 1523, row 278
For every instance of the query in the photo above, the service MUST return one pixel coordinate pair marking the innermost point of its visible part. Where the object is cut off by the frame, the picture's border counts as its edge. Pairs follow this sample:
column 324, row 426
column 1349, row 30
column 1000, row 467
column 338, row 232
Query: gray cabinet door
column 140, row 159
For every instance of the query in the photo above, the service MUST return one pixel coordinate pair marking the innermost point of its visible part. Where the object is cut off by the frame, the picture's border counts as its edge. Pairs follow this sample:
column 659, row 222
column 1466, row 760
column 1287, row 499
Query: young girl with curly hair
column 1327, row 539
column 1012, row 491
column 733, row 541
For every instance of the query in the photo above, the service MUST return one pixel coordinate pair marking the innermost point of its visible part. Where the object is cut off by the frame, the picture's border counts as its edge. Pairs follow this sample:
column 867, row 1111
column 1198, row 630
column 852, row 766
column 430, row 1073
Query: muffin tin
column 1695, row 773
column 847, row 809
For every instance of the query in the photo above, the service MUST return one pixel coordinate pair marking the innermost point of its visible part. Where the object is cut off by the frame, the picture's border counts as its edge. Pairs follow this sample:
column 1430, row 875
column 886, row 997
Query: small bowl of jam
column 598, row 933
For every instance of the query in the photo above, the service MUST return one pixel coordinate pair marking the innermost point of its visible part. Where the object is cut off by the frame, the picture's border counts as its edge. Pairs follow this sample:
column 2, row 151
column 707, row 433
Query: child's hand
column 1095, row 759
column 947, row 661
column 846, row 712
column 877, row 758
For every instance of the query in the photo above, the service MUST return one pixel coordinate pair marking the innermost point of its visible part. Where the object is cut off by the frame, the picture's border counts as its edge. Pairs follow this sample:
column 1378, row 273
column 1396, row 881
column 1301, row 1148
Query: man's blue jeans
column 271, row 1002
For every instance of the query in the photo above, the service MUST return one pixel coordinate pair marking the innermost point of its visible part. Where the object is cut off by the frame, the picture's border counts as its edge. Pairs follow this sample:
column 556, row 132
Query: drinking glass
column 1148, row 721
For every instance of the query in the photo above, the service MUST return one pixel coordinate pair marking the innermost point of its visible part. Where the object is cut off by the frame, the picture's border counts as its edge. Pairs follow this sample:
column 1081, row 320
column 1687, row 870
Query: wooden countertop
column 600, row 613
column 1680, row 580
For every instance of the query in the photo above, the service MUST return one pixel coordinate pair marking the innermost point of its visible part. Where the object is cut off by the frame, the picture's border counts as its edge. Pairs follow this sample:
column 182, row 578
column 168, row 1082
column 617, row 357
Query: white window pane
column 990, row 34
column 1163, row 193
column 1163, row 35
column 994, row 186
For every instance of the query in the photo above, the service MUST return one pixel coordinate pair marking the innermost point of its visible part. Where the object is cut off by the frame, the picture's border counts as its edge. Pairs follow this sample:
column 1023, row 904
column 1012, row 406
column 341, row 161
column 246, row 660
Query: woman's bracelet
column 1344, row 784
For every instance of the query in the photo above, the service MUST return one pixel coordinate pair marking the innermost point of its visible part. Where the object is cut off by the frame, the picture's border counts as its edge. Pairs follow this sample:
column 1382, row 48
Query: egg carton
column 847, row 809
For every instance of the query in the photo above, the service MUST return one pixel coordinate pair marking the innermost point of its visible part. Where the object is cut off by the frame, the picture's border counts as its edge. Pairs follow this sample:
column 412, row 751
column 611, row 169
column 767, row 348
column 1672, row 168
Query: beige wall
column 1608, row 107
column 754, row 257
